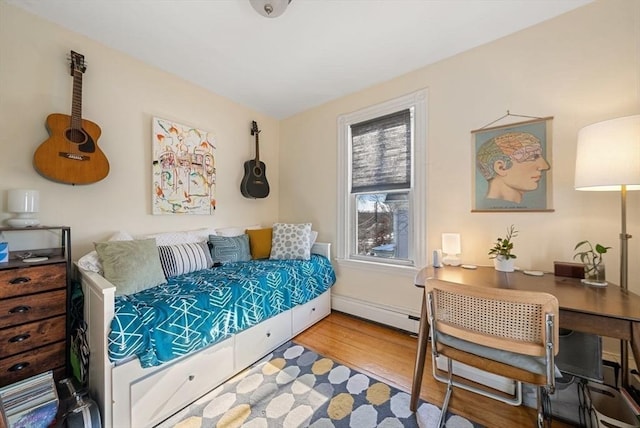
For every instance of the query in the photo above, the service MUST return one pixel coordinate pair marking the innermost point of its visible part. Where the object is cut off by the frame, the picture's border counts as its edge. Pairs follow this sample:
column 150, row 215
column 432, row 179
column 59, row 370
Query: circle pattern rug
column 295, row 387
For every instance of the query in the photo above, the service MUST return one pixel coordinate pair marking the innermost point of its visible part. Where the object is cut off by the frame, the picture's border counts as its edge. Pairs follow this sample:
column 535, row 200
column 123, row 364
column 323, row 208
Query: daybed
column 146, row 388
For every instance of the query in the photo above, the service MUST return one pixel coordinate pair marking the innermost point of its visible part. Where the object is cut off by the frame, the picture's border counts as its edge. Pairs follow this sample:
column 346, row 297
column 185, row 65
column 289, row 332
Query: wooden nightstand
column 34, row 297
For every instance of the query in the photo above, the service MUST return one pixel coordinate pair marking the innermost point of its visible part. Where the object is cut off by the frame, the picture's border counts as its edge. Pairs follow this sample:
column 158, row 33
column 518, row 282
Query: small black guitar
column 254, row 183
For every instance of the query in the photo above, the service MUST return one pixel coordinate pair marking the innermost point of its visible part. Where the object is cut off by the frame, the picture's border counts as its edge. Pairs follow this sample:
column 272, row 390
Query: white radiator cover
column 384, row 314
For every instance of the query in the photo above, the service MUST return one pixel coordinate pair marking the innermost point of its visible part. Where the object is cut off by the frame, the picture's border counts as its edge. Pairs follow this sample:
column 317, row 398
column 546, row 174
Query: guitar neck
column 257, row 148
column 76, row 104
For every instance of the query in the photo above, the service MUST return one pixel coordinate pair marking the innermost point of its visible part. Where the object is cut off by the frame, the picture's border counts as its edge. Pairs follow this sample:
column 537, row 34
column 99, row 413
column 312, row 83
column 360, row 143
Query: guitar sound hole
column 257, row 171
column 76, row 136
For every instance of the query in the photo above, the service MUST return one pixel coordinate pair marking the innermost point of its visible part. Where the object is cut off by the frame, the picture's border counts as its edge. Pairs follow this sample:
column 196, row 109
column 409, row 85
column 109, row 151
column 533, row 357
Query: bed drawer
column 261, row 339
column 311, row 312
column 161, row 394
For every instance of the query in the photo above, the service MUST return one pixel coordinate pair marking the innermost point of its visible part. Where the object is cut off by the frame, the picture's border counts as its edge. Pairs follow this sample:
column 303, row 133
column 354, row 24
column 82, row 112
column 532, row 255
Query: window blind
column 381, row 153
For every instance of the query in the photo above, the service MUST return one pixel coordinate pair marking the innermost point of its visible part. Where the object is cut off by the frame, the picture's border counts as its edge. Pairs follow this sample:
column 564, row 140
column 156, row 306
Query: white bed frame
column 131, row 396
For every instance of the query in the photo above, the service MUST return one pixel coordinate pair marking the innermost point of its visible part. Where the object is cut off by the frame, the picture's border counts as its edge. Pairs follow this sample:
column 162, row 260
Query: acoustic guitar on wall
column 71, row 154
column 254, row 183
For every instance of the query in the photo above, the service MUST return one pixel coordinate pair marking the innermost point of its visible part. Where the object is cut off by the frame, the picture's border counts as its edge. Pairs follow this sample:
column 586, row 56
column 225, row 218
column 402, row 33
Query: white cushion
column 180, row 237
column 291, row 241
column 234, row 231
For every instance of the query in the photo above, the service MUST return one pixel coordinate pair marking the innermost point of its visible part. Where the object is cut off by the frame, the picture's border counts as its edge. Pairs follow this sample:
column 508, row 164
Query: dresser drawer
column 14, row 340
column 32, row 279
column 32, row 362
column 20, row 310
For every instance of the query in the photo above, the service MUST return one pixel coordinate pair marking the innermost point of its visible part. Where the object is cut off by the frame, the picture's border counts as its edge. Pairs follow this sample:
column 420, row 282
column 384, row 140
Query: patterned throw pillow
column 230, row 248
column 291, row 241
column 184, row 258
column 131, row 266
column 260, row 242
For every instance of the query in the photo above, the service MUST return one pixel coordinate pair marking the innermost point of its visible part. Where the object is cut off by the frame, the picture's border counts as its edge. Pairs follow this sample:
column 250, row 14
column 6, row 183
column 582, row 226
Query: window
column 382, row 184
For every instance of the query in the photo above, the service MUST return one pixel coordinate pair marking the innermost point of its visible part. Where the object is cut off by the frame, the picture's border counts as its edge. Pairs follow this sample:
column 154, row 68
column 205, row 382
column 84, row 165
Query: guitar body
column 71, row 156
column 254, row 183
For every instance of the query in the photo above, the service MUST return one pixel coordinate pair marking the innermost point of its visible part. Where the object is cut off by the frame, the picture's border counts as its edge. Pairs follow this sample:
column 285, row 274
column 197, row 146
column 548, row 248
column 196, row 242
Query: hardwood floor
column 389, row 355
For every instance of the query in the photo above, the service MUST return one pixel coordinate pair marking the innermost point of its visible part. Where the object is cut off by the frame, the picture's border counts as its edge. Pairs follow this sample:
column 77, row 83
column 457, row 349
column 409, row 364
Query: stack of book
column 32, row 402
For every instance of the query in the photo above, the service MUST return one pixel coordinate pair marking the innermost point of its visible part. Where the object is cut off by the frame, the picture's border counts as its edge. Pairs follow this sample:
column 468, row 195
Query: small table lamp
column 451, row 249
column 25, row 204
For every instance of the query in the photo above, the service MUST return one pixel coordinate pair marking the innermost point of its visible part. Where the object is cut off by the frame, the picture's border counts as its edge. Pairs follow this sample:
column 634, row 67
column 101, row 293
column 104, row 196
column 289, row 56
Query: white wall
column 121, row 95
column 580, row 68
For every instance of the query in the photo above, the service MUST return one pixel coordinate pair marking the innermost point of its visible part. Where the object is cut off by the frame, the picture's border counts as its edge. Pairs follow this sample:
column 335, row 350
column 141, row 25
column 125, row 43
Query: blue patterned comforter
column 200, row 308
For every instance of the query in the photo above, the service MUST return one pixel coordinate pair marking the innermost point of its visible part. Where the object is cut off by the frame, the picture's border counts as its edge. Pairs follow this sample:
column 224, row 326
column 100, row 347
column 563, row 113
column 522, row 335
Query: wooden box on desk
column 572, row 270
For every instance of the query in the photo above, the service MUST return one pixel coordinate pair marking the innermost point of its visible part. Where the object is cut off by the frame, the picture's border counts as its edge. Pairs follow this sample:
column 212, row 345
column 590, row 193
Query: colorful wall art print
column 512, row 167
column 184, row 169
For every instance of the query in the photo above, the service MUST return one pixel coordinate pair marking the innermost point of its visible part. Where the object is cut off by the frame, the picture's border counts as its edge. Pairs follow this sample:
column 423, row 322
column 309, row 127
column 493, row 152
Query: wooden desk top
column 572, row 295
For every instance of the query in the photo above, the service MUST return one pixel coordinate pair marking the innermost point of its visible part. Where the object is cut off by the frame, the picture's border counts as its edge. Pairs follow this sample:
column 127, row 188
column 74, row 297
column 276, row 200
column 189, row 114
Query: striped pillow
column 184, row 258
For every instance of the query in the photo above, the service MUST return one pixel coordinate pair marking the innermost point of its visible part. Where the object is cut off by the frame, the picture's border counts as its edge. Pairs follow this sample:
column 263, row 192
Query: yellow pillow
column 260, row 242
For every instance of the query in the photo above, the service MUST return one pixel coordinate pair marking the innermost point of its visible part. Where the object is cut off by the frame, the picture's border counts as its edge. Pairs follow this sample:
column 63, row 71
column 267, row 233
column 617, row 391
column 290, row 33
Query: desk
column 607, row 311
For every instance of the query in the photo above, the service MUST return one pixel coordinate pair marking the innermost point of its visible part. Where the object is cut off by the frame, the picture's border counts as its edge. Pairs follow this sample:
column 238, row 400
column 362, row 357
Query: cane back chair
column 509, row 333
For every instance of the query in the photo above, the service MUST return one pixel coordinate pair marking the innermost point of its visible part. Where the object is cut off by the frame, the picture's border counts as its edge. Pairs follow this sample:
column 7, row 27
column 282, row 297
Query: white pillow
column 291, row 241
column 180, row 237
column 91, row 261
column 230, row 232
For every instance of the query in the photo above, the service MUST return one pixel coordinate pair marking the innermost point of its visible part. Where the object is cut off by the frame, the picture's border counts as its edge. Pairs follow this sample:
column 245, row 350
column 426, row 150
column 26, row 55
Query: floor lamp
column 608, row 159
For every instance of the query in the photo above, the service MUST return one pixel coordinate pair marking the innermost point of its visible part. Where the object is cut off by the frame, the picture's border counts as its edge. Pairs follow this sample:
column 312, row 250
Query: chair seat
column 491, row 366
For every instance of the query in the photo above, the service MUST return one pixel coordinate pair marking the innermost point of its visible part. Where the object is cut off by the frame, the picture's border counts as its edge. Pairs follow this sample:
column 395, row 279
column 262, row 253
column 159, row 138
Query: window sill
column 409, row 271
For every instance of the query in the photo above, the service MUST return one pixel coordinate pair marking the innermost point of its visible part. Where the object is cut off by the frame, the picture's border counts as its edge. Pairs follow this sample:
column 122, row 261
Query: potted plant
column 501, row 251
column 591, row 258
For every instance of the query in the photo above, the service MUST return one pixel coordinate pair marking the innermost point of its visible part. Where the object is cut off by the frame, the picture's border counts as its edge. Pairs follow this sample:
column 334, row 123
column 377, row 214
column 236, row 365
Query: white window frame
column 417, row 193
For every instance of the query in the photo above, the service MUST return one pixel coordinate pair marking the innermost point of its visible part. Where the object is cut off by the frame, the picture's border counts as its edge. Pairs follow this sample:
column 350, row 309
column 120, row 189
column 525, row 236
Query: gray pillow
column 131, row 266
column 291, row 241
column 230, row 248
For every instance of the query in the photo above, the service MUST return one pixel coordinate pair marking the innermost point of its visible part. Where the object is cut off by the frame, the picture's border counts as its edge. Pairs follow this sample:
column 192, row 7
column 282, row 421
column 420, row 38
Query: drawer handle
column 20, row 280
column 313, row 309
column 19, row 338
column 20, row 309
column 18, row 367
column 269, row 334
column 191, row 377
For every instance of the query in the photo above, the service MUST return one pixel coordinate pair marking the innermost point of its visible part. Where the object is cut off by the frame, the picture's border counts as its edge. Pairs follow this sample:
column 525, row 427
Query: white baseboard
column 388, row 315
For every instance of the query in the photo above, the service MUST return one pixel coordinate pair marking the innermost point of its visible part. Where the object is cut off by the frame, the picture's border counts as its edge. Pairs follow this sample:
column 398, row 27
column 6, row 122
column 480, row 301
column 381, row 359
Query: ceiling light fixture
column 270, row 8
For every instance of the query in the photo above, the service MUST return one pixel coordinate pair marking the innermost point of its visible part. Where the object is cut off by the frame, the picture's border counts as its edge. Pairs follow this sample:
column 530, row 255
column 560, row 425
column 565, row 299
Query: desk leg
column 635, row 349
column 423, row 337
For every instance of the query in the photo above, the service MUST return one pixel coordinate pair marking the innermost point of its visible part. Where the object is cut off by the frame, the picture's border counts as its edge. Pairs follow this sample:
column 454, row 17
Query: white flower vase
column 503, row 264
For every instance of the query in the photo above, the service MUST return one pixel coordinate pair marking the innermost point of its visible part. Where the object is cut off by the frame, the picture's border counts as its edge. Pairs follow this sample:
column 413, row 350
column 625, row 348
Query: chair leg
column 447, row 397
column 544, row 408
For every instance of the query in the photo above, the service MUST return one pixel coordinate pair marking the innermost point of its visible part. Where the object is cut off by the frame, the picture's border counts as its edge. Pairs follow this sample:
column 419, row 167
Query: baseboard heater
column 383, row 314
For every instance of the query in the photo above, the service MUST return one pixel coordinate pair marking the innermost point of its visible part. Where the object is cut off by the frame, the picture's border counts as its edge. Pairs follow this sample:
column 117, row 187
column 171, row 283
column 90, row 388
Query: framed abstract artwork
column 512, row 167
column 184, row 169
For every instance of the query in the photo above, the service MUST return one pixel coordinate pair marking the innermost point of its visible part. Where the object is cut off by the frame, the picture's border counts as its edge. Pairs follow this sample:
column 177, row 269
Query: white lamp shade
column 451, row 243
column 24, row 203
column 608, row 155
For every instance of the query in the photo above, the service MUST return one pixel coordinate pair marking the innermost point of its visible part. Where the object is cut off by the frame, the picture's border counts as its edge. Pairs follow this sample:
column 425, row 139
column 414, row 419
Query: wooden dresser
column 34, row 297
